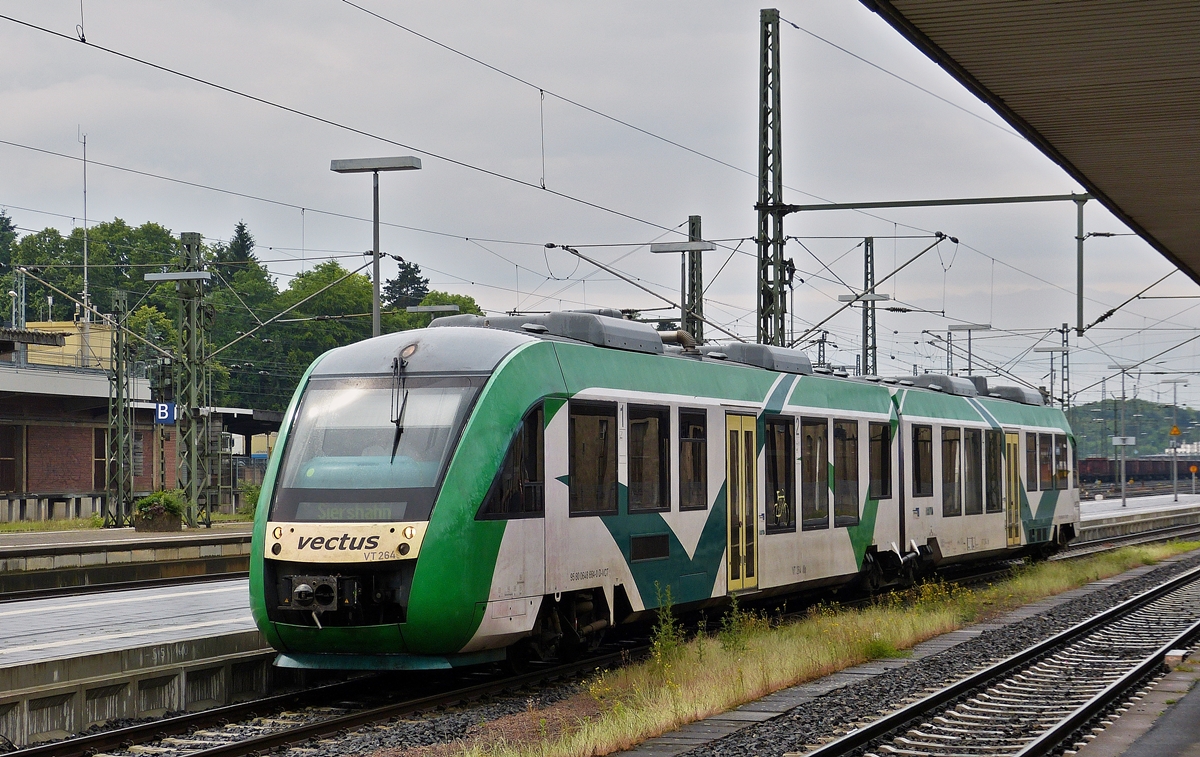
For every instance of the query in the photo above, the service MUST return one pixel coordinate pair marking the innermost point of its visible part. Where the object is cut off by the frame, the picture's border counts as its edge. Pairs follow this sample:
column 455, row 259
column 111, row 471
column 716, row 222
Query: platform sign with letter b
column 164, row 413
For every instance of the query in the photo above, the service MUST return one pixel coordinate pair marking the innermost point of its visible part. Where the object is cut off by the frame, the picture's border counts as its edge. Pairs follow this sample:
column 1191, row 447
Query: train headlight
column 303, row 595
column 410, row 532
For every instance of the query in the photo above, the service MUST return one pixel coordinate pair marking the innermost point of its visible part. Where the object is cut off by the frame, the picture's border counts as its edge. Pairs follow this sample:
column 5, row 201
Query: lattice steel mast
column 772, row 299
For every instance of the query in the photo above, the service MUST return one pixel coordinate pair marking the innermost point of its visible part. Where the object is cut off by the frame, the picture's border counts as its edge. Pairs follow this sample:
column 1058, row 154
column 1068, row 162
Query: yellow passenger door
column 741, row 465
column 1012, row 490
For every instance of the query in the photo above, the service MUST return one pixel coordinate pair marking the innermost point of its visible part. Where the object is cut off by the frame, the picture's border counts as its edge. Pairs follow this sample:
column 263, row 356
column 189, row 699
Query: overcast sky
column 684, row 71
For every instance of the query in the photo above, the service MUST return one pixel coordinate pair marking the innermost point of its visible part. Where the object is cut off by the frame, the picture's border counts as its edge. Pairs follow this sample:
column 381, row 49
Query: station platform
column 46, row 560
column 69, row 662
column 1107, row 519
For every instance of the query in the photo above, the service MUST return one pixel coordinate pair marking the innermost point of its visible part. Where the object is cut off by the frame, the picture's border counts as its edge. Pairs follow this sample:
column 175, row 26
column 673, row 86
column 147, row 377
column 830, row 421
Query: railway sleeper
column 973, row 748
column 982, row 736
column 953, row 728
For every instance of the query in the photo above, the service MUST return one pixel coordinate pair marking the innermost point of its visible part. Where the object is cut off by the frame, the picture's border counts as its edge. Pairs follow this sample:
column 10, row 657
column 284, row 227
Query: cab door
column 741, row 465
column 1012, row 488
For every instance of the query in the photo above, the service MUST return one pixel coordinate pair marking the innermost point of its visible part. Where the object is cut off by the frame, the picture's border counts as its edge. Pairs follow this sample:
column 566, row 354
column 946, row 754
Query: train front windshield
column 350, row 459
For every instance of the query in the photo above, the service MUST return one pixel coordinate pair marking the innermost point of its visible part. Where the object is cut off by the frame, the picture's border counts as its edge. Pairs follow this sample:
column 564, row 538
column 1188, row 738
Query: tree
column 235, row 256
column 409, row 287
column 8, row 235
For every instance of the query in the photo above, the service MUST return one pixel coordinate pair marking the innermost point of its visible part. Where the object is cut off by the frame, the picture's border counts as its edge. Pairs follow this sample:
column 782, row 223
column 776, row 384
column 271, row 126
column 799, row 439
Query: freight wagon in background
column 1139, row 469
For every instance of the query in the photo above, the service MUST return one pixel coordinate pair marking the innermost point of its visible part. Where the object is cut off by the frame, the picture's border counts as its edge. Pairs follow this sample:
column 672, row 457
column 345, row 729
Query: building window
column 99, row 459
column 781, row 474
column 139, row 454
column 1062, row 468
column 922, row 464
column 951, row 473
column 973, row 471
column 881, row 461
column 845, row 473
column 814, row 473
column 994, row 464
column 592, row 442
column 520, row 485
column 693, row 459
column 10, row 437
column 1031, row 462
column 1045, row 462
column 649, row 458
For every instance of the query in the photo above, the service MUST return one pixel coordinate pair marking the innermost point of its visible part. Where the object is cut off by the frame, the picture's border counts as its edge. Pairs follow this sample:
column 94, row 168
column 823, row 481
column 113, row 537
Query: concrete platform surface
column 116, row 536
column 1090, row 509
column 45, row 629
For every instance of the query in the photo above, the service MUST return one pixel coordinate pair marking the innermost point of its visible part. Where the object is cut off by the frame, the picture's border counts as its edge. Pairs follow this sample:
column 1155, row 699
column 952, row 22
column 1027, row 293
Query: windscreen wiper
column 399, row 402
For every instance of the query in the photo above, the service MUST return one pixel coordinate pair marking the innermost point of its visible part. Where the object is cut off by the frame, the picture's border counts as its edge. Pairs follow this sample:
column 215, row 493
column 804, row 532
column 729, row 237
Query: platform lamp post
column 1175, row 433
column 374, row 166
column 686, row 321
column 969, row 327
column 1123, row 441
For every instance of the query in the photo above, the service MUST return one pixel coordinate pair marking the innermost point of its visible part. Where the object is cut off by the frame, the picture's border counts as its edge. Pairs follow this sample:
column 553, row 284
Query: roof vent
column 981, row 386
column 948, row 384
column 716, row 355
column 1017, row 394
column 593, row 328
column 904, row 382
column 889, row 380
column 766, row 356
column 823, row 370
column 464, row 319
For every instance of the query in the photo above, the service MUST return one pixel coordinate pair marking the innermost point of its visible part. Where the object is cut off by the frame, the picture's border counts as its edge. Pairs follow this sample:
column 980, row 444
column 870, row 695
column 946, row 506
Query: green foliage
column 666, row 639
column 409, row 287
column 166, row 501
column 260, row 368
column 250, row 493
column 8, row 235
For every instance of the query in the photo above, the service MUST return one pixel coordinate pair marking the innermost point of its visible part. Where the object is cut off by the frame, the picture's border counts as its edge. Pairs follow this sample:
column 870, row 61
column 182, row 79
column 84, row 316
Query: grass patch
column 686, row 680
column 66, row 524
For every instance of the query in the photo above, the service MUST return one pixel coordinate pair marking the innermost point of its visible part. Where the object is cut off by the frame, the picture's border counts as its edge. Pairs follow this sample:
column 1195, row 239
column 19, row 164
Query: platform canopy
column 1108, row 89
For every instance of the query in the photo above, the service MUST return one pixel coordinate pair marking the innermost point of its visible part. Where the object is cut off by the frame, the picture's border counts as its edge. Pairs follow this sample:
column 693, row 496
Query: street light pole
column 375, row 165
column 376, row 326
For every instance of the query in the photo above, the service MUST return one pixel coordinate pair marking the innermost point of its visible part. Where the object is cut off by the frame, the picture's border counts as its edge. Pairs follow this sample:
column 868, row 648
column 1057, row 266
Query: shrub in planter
column 161, row 511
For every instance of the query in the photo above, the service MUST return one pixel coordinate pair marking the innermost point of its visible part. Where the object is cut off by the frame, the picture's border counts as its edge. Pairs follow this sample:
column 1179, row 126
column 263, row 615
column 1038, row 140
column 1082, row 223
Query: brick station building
column 54, row 429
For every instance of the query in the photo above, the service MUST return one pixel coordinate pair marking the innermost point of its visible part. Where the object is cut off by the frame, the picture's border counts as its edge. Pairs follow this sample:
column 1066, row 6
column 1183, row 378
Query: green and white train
column 511, row 486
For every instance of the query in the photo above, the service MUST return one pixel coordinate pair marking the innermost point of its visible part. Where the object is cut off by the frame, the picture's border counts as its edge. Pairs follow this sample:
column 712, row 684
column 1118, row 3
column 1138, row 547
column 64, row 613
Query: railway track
column 1036, row 701
column 262, row 725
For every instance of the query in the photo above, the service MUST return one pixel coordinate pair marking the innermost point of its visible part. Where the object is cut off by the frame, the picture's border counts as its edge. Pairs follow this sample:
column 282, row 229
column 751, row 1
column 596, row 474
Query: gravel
column 438, row 726
column 840, row 710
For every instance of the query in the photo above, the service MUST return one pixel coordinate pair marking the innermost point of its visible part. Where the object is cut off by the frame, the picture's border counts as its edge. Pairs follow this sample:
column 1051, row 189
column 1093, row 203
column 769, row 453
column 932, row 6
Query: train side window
column 994, row 472
column 1062, row 469
column 693, row 459
column 972, row 471
column 1074, row 462
column 922, row 461
column 1031, row 462
column 519, row 488
column 814, row 473
column 1045, row 462
column 880, row 452
column 649, row 458
column 951, row 472
column 592, row 448
column 780, row 454
column 845, row 473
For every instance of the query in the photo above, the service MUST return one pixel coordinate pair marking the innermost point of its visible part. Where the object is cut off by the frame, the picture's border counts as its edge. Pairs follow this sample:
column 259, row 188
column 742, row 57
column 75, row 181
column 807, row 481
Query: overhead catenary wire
column 338, row 125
